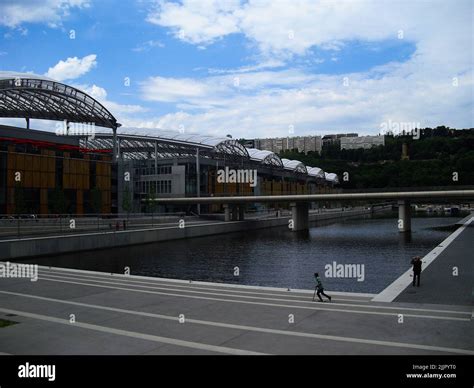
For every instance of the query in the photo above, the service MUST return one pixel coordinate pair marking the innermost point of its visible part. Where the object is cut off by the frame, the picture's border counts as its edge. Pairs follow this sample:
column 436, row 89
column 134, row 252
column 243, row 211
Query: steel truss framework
column 265, row 157
column 130, row 146
column 33, row 97
column 145, row 147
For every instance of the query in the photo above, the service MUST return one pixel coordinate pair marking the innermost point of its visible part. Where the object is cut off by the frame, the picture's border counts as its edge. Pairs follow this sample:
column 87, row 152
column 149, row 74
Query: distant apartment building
column 335, row 138
column 301, row 143
column 350, row 143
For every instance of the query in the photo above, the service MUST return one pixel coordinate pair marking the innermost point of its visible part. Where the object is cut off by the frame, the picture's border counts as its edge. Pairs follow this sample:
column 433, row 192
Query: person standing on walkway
column 319, row 288
column 416, row 262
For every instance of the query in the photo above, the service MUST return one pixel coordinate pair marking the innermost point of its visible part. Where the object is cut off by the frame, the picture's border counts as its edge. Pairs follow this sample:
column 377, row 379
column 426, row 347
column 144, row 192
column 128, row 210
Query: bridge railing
column 408, row 189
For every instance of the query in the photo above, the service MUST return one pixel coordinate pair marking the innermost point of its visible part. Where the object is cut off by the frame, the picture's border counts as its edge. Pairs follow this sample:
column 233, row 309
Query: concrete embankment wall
column 42, row 246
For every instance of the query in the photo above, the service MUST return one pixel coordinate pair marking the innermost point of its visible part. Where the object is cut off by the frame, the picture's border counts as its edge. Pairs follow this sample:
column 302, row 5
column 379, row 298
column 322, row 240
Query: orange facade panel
column 79, row 196
column 79, row 202
column 11, row 161
column 28, row 162
column 36, row 179
column 38, row 171
column 51, row 180
column 51, row 164
column 72, row 181
column 43, row 179
column 44, row 163
column 27, row 179
column 20, row 161
column 66, row 179
column 11, row 178
column 86, row 182
column 73, row 166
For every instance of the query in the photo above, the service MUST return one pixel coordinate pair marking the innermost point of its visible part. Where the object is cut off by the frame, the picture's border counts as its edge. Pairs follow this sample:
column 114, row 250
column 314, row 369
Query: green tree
column 433, row 158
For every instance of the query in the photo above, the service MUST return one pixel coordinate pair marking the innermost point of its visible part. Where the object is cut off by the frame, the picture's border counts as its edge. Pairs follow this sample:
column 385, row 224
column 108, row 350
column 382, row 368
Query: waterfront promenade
column 450, row 277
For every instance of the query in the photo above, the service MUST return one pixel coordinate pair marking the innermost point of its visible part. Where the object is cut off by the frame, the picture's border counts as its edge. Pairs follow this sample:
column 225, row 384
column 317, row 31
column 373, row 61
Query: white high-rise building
column 300, row 143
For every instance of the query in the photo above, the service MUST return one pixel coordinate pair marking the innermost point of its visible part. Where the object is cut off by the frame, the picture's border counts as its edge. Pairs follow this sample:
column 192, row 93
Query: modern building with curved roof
column 162, row 163
column 133, row 145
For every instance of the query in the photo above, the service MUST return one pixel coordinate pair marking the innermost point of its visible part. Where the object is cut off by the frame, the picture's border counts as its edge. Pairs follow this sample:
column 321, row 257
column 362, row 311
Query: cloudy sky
column 258, row 68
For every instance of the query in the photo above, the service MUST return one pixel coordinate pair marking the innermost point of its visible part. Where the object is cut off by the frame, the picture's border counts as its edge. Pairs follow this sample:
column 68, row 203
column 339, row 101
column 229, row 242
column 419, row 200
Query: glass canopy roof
column 167, row 144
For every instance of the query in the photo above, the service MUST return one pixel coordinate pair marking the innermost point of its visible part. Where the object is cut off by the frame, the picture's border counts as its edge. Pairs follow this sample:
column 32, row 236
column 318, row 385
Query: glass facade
column 157, row 187
column 160, row 170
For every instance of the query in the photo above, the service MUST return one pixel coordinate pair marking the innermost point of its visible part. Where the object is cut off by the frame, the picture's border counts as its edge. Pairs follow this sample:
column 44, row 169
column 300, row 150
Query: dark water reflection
column 276, row 257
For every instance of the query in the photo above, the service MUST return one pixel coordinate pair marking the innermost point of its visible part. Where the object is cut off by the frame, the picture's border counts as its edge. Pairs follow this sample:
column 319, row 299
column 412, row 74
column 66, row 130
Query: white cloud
column 292, row 27
column 267, row 99
column 120, row 111
column 278, row 26
column 199, row 22
column 266, row 103
column 147, row 46
column 72, row 68
column 14, row 13
column 163, row 89
column 94, row 91
column 269, row 64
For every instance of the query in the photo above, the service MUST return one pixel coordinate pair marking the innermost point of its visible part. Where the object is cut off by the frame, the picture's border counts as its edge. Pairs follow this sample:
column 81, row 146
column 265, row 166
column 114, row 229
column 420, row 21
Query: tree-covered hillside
column 435, row 157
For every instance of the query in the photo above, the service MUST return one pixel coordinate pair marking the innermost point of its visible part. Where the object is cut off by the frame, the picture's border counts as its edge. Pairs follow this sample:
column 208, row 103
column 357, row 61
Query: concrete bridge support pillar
column 235, row 213
column 404, row 216
column 226, row 212
column 299, row 215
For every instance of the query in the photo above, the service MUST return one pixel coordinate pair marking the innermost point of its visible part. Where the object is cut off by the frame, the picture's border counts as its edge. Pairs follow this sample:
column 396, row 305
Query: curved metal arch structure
column 223, row 146
column 136, row 147
column 265, row 157
column 218, row 143
column 164, row 144
column 331, row 177
column 294, row 165
column 170, row 144
column 315, row 171
column 31, row 96
column 232, row 147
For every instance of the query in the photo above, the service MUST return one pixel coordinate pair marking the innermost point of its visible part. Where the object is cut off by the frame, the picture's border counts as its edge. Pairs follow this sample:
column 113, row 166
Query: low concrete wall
column 42, row 246
column 465, row 219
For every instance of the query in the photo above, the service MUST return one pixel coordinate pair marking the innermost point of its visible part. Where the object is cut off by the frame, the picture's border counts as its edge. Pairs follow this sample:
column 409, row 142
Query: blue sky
column 253, row 68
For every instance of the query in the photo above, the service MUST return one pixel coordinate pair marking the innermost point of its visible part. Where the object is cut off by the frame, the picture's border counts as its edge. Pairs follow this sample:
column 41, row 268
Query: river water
column 277, row 257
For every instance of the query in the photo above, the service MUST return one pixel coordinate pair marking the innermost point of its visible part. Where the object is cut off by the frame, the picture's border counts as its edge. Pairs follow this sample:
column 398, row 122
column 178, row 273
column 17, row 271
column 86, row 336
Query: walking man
column 416, row 262
column 319, row 288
